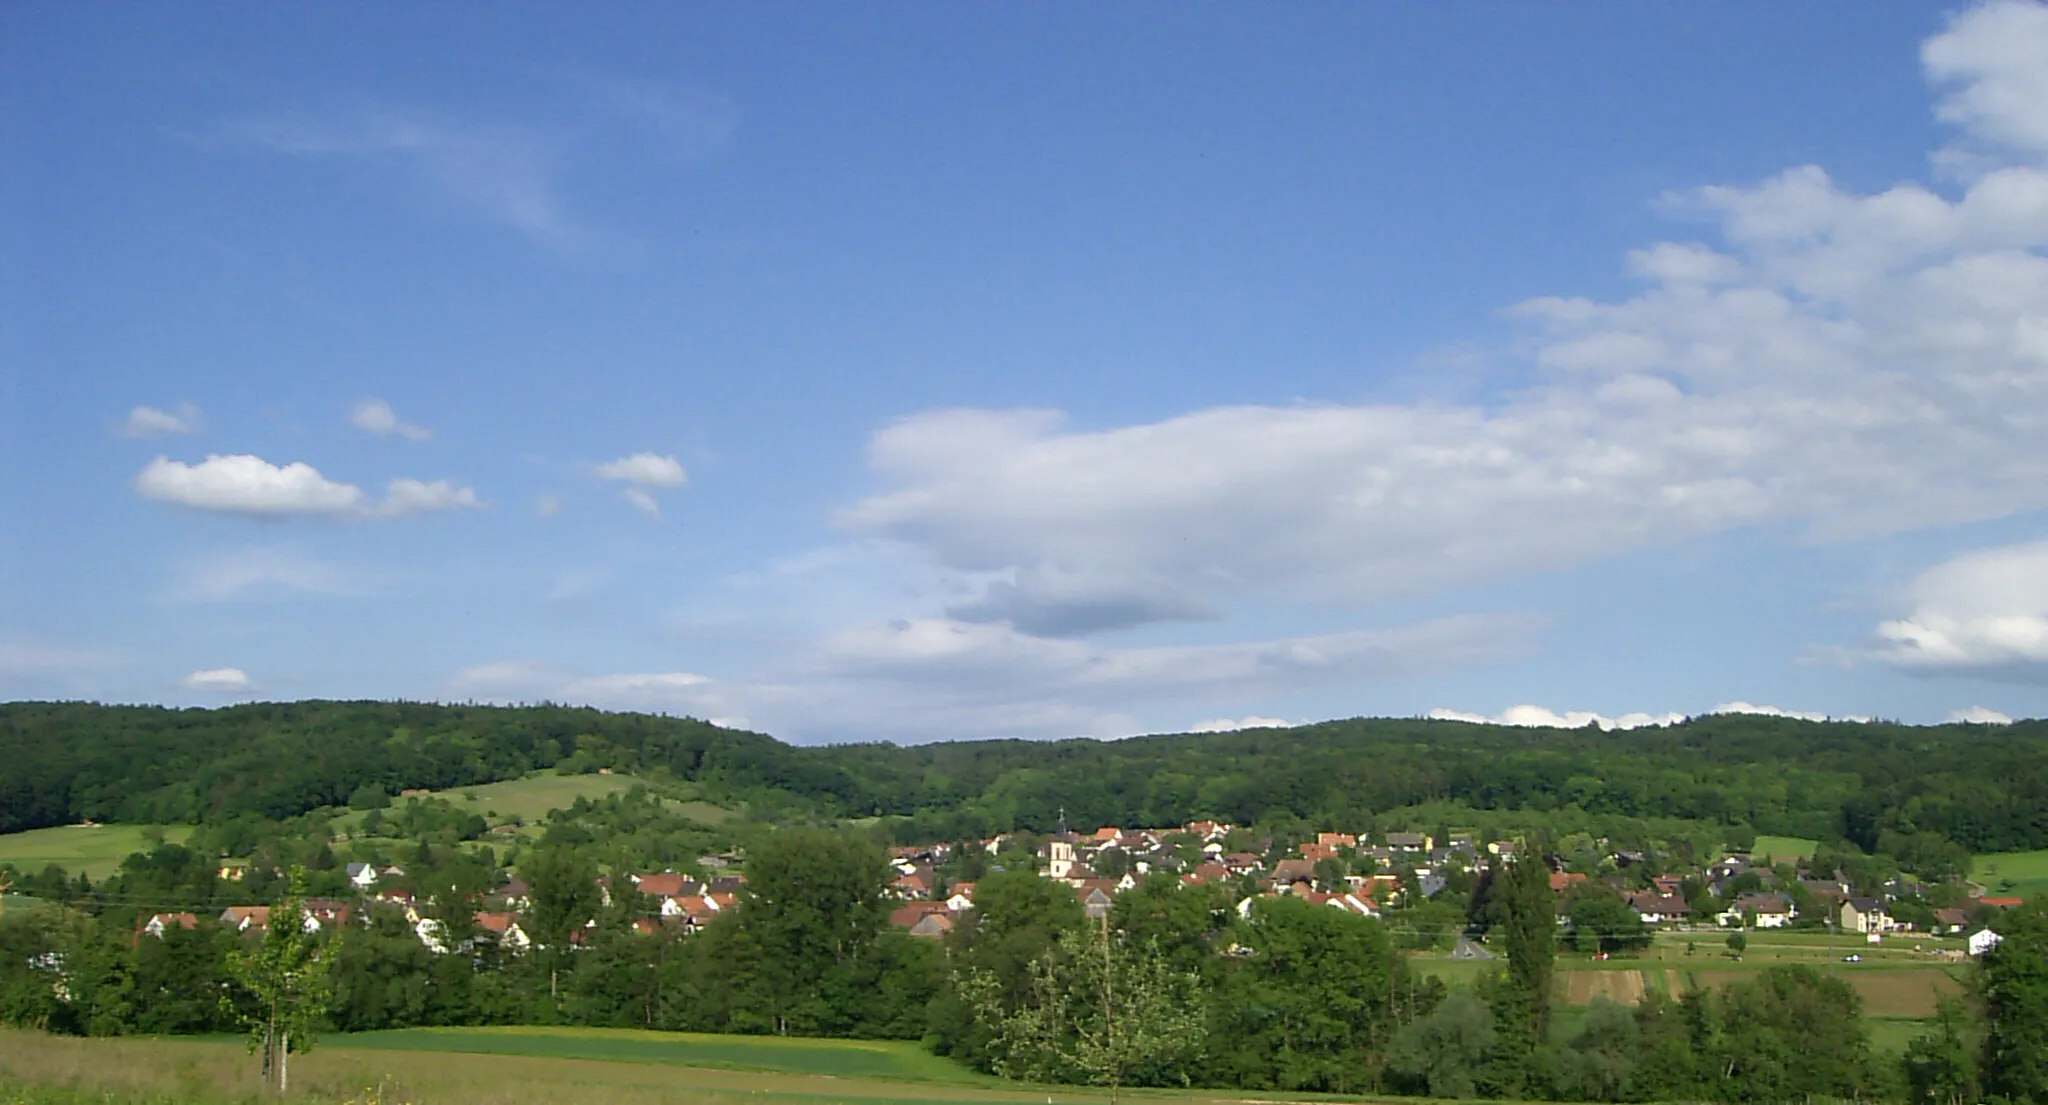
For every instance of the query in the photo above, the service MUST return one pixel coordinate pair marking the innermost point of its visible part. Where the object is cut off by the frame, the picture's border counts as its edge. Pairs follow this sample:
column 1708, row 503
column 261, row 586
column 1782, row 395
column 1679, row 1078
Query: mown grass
column 96, row 850
column 2012, row 874
column 1783, row 847
column 884, row 1059
column 46, row 1070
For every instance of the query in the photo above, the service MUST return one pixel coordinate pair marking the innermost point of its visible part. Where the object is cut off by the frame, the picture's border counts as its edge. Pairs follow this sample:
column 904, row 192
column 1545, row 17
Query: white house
column 1983, row 941
column 364, row 875
column 1866, row 915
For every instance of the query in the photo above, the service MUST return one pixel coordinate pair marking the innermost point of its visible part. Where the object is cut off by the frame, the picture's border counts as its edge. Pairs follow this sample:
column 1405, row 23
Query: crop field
column 47, row 1070
column 2014, row 874
column 96, row 850
column 1783, row 847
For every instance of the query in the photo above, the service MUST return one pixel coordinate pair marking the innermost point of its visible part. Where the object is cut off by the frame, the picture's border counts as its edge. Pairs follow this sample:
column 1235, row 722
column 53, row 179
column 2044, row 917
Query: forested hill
column 1983, row 787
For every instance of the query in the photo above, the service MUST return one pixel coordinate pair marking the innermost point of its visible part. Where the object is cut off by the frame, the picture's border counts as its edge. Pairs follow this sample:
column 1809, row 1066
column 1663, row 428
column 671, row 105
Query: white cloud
column 243, row 484
column 646, row 473
column 375, row 416
column 409, row 496
column 1226, row 725
column 1858, row 364
column 547, row 504
column 261, row 571
column 993, row 662
column 217, row 680
column 152, row 422
column 1780, row 713
column 533, row 681
column 938, row 679
column 645, row 470
column 642, row 501
column 253, row 487
column 1538, row 717
column 1997, row 85
column 1979, row 715
column 1984, row 611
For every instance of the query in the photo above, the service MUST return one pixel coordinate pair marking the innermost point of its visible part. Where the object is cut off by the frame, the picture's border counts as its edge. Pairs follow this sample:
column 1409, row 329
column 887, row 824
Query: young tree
column 1101, row 1012
column 286, row 973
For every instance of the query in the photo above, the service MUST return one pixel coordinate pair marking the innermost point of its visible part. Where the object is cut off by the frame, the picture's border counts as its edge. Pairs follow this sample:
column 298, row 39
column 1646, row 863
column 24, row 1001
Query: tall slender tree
column 287, row 973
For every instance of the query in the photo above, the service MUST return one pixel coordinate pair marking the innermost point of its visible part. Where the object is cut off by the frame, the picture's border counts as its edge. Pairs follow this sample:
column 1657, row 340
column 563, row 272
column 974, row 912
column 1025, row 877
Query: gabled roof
column 664, row 884
column 497, row 923
column 908, row 915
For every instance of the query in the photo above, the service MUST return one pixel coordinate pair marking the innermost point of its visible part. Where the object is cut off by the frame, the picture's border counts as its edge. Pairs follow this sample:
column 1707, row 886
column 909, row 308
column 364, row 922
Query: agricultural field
column 1783, row 848
column 96, row 850
column 2013, row 874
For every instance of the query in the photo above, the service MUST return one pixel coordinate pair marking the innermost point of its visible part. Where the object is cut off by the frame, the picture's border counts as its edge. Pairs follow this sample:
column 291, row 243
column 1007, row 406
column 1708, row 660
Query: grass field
column 132, row 1071
column 532, row 798
column 96, row 850
column 1783, row 848
column 2016, row 874
column 884, row 1059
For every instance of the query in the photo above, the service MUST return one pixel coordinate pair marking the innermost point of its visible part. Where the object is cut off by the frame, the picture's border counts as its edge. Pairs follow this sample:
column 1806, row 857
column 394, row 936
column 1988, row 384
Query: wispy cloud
column 504, row 173
column 375, row 416
column 262, row 571
column 509, row 173
column 153, row 422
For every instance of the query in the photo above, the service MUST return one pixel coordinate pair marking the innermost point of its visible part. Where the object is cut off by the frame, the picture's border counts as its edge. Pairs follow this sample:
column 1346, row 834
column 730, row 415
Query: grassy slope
column 535, row 796
column 1783, row 847
column 96, row 851
column 2021, row 874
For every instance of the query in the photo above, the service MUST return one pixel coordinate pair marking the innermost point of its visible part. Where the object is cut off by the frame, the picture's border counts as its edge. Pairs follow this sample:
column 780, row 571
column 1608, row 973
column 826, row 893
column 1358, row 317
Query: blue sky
column 948, row 371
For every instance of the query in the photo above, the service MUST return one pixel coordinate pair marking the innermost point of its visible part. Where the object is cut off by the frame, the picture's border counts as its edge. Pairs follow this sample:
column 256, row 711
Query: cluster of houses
column 1079, row 860
column 678, row 903
column 1197, row 853
column 1749, row 893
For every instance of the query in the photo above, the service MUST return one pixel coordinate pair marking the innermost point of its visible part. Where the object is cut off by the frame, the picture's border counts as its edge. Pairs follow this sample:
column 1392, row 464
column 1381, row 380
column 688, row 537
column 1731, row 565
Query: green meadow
column 96, row 850
column 514, row 1066
column 1781, row 848
column 885, row 1059
column 532, row 798
column 2012, row 874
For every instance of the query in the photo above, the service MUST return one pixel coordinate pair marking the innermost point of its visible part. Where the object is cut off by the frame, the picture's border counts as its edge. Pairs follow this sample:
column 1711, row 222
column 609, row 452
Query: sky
column 932, row 371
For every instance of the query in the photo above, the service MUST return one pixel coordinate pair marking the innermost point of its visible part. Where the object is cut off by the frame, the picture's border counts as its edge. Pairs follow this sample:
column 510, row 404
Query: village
column 1393, row 876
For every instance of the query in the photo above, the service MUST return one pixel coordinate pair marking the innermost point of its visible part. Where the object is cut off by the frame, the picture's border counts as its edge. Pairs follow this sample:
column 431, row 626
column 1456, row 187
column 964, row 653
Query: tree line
column 1923, row 794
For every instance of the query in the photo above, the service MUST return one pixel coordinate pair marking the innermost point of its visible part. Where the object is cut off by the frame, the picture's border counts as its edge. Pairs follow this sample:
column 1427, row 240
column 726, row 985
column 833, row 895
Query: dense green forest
column 1882, row 786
